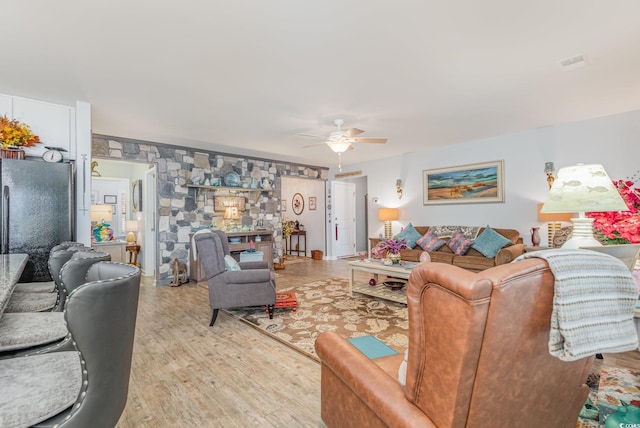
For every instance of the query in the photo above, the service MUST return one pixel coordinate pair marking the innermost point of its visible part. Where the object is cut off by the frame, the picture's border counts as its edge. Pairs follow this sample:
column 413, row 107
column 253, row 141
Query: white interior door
column 149, row 216
column 343, row 235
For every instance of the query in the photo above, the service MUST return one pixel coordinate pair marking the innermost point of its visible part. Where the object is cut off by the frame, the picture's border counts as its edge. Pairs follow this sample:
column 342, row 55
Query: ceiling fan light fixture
column 340, row 146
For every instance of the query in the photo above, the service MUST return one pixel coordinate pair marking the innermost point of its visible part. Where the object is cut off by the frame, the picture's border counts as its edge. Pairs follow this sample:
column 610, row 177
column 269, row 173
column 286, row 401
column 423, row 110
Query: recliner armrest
column 253, row 265
column 375, row 388
column 246, row 276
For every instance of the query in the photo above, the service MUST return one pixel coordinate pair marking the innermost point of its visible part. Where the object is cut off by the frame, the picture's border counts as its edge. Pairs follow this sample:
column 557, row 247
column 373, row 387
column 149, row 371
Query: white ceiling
column 247, row 76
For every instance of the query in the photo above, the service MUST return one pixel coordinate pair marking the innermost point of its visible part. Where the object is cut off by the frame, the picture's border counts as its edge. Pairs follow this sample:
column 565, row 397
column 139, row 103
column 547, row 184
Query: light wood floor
column 187, row 374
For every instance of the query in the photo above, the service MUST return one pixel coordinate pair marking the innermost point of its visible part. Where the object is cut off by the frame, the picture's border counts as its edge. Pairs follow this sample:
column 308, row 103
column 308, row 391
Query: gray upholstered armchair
column 253, row 285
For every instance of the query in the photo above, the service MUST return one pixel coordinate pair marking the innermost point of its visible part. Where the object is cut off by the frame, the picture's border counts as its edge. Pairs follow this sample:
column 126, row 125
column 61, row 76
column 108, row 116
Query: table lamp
column 583, row 188
column 101, row 213
column 131, row 226
column 232, row 214
column 387, row 215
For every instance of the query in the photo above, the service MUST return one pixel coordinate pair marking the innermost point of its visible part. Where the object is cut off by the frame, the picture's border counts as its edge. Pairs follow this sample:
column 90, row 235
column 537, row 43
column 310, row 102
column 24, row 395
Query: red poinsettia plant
column 620, row 227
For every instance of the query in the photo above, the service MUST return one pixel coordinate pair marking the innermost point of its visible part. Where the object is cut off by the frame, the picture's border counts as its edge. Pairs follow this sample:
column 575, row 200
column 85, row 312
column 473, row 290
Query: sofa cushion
column 430, row 242
column 459, row 243
column 409, row 234
column 230, row 263
column 490, row 242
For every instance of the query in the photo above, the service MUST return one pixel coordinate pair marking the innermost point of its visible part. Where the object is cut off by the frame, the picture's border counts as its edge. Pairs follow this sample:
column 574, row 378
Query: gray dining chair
column 41, row 302
column 46, row 286
column 29, row 333
column 86, row 387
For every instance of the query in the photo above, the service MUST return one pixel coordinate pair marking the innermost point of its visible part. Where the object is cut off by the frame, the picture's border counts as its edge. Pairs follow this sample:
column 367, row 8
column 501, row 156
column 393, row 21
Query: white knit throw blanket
column 194, row 248
column 594, row 299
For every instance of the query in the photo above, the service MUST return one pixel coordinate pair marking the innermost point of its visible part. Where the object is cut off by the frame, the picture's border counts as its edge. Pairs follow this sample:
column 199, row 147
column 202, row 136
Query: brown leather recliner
column 478, row 357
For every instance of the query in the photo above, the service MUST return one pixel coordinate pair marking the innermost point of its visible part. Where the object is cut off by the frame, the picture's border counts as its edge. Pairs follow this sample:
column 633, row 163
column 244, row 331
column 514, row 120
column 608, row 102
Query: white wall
column 313, row 220
column 612, row 141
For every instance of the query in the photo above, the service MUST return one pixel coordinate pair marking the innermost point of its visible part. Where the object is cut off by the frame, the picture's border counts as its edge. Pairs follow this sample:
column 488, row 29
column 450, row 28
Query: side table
column 132, row 254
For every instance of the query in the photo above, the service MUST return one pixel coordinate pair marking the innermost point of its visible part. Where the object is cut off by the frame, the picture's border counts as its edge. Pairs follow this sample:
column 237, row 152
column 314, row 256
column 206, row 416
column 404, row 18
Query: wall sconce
column 549, row 170
column 399, row 188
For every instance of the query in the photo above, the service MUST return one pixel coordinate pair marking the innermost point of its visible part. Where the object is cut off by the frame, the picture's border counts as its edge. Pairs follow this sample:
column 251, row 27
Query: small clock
column 53, row 154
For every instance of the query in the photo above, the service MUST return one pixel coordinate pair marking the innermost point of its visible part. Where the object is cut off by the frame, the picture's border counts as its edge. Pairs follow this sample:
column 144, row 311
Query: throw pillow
column 430, row 242
column 410, row 234
column 459, row 243
column 230, row 263
column 490, row 242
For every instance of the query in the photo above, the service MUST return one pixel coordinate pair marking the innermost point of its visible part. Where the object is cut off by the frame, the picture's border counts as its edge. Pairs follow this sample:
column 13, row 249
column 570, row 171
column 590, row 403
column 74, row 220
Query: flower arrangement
column 620, row 227
column 15, row 133
column 389, row 246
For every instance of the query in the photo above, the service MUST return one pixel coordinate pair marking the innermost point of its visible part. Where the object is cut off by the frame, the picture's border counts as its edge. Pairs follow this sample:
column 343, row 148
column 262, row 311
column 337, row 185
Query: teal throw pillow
column 230, row 263
column 490, row 242
column 410, row 234
column 459, row 243
column 430, row 242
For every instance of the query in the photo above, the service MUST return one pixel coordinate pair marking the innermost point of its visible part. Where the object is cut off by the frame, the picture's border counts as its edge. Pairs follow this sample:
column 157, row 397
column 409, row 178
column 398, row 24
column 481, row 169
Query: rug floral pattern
column 326, row 306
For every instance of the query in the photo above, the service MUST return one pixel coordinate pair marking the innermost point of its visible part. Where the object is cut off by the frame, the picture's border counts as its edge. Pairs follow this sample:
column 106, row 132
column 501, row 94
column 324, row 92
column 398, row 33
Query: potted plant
column 390, row 248
column 14, row 135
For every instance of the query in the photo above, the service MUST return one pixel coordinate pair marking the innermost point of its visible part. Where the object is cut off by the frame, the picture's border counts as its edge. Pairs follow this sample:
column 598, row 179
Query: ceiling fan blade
column 313, row 145
column 371, row 140
column 312, row 136
column 352, row 132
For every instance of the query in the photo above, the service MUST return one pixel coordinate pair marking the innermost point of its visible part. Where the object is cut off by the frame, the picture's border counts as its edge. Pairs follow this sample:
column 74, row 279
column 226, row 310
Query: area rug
column 326, row 306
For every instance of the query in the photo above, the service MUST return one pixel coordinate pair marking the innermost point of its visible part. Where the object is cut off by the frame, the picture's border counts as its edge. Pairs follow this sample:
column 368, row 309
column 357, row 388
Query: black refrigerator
column 38, row 207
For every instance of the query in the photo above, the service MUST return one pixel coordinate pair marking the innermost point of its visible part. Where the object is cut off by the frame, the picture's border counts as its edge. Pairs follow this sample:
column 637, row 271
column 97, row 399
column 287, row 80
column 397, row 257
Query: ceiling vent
column 573, row 62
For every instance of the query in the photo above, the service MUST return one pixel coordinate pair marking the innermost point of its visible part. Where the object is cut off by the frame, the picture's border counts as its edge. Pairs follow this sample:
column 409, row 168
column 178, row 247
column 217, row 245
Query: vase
column 535, row 236
column 253, row 185
column 395, row 258
column 12, row 152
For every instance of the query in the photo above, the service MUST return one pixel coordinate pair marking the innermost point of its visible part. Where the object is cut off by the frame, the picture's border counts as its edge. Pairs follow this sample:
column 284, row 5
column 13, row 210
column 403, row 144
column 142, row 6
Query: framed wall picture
column 476, row 183
column 220, row 203
column 110, row 199
column 312, row 202
column 297, row 204
column 283, row 204
column 95, row 197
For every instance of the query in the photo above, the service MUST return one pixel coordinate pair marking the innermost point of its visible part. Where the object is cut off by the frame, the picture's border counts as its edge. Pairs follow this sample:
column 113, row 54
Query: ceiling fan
column 341, row 140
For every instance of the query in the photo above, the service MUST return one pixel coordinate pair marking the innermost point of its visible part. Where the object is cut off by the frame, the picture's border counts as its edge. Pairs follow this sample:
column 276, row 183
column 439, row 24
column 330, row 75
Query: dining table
column 11, row 267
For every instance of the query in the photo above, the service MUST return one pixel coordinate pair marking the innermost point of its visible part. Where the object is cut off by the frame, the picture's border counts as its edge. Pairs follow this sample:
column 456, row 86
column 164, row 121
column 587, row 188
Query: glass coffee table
column 375, row 268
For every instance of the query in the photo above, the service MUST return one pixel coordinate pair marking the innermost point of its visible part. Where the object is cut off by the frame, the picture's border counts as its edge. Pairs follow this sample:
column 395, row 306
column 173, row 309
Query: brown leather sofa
column 473, row 260
column 478, row 357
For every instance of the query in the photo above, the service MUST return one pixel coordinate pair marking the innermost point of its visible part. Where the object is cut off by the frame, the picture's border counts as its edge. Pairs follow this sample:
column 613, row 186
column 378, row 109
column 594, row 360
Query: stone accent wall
column 181, row 208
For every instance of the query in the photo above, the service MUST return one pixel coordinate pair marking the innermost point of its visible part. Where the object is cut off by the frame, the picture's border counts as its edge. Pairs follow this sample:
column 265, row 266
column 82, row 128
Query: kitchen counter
column 11, row 267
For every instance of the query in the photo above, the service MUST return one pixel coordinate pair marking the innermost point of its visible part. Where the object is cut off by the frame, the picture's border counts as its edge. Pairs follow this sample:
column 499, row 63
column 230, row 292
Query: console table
column 262, row 239
column 290, row 249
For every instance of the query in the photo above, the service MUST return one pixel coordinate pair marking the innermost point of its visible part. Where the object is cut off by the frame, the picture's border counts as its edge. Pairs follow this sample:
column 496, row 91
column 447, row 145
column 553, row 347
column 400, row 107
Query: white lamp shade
column 583, row 188
column 131, row 225
column 101, row 212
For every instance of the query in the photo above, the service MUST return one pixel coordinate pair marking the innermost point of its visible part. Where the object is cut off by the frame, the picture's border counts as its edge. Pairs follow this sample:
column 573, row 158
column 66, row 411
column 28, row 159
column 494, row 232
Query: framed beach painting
column 465, row 184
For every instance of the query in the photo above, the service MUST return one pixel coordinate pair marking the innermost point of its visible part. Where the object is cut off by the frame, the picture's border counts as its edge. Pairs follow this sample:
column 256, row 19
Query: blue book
column 371, row 347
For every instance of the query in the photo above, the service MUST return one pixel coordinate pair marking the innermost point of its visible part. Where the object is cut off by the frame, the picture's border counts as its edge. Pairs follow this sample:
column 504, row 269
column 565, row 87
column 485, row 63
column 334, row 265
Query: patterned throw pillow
column 459, row 243
column 410, row 234
column 490, row 242
column 430, row 242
